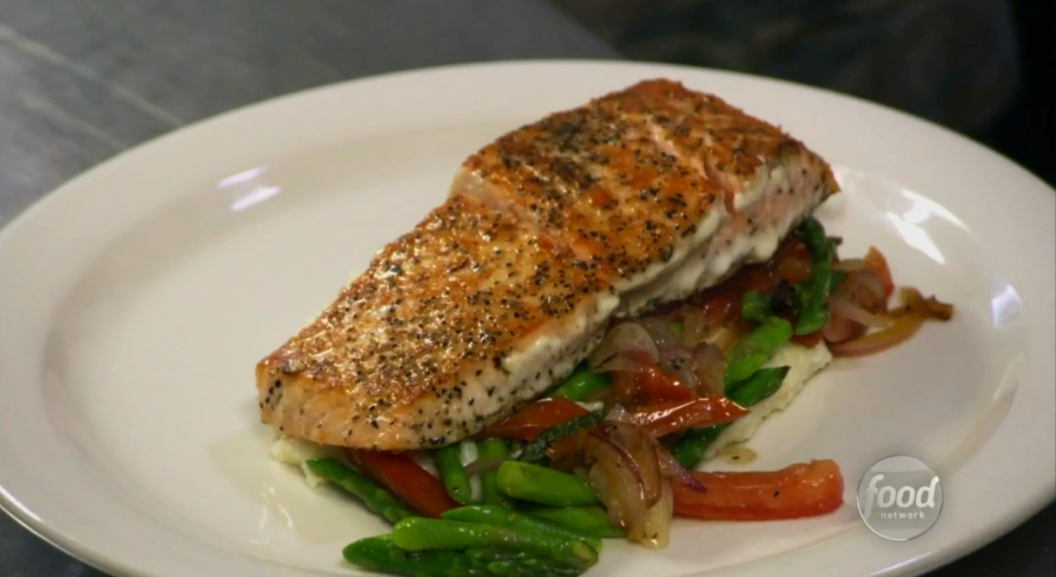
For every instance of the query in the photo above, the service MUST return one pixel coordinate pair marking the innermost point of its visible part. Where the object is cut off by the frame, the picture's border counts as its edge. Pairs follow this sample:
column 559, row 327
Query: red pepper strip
column 535, row 418
column 801, row 490
column 664, row 418
column 406, row 479
column 654, row 385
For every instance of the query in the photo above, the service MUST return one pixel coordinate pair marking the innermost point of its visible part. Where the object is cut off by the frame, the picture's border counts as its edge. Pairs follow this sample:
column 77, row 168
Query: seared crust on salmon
column 636, row 199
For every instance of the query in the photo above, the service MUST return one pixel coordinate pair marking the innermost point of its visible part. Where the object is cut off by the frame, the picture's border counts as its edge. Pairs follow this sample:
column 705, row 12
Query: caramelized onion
column 839, row 329
column 902, row 329
column 866, row 279
column 655, row 530
column 631, row 448
column 694, row 327
column 848, row 310
column 620, row 346
column 850, row 265
column 626, row 476
column 670, row 468
column 710, row 369
column 674, row 355
column 914, row 303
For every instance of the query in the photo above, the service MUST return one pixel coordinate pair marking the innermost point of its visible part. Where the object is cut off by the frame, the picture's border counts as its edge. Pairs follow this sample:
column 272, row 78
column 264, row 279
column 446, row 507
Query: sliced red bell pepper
column 650, row 384
column 406, row 479
column 876, row 262
column 535, row 418
column 800, row 490
column 654, row 385
column 668, row 417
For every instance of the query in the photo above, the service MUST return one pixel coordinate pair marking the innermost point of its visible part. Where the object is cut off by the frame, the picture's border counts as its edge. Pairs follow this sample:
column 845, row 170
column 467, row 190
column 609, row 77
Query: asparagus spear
column 508, row 563
column 509, row 518
column 756, row 306
column 493, row 448
column 814, row 293
column 382, row 554
column 374, row 497
column 536, row 450
column 542, row 485
column 532, row 567
column 453, row 474
column 421, row 534
column 759, row 386
column 755, row 348
column 581, row 384
column 694, row 443
column 592, row 521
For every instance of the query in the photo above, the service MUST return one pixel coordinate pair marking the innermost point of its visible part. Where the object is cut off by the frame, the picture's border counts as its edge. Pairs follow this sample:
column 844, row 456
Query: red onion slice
column 848, row 310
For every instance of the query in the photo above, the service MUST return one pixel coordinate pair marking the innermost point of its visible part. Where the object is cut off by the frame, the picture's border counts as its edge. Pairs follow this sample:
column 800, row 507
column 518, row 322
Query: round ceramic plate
column 136, row 300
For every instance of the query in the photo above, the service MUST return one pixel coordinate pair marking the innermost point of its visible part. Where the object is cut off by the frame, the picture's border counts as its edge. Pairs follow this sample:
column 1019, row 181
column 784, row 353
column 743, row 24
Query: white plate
column 135, row 301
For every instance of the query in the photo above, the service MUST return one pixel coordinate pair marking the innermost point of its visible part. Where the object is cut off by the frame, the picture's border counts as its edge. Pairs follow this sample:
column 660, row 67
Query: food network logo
column 900, row 498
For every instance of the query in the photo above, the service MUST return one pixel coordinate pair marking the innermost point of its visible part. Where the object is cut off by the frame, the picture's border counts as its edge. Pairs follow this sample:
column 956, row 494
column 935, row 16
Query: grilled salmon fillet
column 635, row 199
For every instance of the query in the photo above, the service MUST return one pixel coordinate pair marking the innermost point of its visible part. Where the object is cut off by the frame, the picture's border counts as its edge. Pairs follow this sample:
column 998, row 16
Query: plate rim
column 22, row 515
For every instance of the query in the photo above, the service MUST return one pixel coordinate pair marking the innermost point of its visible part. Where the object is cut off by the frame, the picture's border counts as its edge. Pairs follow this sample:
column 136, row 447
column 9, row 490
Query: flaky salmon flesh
column 633, row 200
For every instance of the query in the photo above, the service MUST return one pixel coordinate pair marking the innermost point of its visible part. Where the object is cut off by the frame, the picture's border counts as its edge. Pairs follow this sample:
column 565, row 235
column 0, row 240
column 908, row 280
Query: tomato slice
column 535, row 418
column 664, row 418
column 406, row 479
column 800, row 490
column 876, row 262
